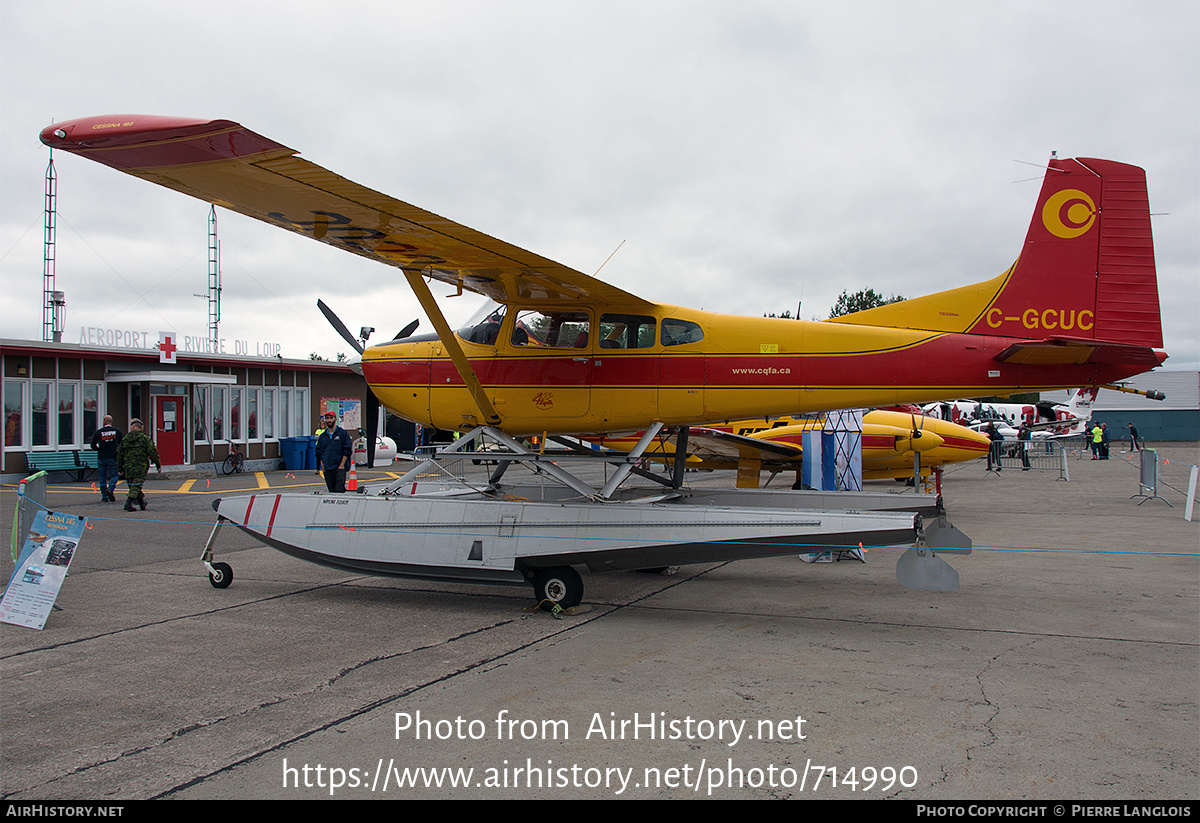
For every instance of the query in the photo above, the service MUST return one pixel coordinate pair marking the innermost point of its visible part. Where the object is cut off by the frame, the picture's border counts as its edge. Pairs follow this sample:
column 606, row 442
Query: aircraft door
column 681, row 371
column 625, row 370
column 544, row 370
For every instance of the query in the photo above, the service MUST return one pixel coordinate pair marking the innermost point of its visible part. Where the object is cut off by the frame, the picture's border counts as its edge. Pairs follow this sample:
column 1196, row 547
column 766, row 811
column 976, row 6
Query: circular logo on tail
column 1068, row 213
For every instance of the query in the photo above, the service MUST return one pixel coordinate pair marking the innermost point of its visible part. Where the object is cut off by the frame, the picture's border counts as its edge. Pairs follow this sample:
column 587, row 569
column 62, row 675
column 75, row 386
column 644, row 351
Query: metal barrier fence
column 1078, row 447
column 1029, row 455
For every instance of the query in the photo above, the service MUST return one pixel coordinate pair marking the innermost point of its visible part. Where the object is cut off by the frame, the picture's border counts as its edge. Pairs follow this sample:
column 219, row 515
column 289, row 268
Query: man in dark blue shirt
column 335, row 450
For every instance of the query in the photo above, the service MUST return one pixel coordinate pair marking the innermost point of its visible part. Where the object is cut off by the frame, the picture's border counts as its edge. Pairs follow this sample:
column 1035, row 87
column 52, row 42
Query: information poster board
column 41, row 568
column 347, row 409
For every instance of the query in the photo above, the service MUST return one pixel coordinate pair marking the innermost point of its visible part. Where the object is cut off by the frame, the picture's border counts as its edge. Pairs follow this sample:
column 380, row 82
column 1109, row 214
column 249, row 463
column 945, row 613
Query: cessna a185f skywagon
column 561, row 352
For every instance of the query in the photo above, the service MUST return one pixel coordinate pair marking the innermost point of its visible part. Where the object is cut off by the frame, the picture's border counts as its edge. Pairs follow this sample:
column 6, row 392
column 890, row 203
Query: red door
column 170, row 428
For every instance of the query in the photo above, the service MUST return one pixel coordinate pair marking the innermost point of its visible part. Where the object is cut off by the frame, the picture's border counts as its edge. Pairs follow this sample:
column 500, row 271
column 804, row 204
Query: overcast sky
column 749, row 156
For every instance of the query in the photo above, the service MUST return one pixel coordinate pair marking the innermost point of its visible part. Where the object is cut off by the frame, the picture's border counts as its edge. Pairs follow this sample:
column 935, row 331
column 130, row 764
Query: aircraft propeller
column 339, row 326
column 371, row 404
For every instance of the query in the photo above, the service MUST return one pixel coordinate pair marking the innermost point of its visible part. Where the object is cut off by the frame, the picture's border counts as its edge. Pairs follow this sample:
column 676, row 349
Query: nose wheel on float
column 220, row 575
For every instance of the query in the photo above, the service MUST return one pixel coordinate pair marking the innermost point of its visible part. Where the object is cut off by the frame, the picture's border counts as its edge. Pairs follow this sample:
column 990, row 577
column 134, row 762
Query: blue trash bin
column 310, row 456
column 292, row 451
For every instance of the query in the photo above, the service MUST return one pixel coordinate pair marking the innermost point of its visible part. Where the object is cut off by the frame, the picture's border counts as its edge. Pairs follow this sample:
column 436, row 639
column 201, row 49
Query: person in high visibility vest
column 317, row 434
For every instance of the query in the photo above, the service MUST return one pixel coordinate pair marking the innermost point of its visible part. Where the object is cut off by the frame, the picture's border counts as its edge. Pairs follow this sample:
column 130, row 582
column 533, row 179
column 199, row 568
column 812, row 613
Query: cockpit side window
column 677, row 332
column 553, row 329
column 626, row 331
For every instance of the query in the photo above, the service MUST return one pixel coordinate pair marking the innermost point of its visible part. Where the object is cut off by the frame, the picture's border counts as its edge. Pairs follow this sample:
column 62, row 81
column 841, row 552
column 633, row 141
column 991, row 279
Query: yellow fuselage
column 689, row 367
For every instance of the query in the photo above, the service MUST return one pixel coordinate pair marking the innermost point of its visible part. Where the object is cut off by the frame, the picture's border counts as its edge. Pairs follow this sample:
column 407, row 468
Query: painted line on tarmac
column 189, row 486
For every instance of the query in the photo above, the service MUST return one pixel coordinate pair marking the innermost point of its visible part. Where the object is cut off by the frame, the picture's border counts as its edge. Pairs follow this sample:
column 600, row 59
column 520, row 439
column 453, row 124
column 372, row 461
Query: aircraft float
column 561, row 352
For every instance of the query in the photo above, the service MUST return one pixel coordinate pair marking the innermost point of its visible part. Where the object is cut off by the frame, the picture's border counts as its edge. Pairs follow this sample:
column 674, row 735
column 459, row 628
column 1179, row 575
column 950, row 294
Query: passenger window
column 626, row 331
column 678, row 332
column 558, row 330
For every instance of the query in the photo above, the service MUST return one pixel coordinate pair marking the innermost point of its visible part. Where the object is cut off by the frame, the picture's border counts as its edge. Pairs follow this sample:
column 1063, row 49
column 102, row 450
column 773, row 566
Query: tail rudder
column 1074, row 416
column 1087, row 267
column 1086, row 270
column 1081, row 402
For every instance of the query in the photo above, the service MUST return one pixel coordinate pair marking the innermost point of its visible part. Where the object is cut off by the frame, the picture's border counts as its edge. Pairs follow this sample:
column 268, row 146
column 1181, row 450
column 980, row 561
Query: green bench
column 74, row 462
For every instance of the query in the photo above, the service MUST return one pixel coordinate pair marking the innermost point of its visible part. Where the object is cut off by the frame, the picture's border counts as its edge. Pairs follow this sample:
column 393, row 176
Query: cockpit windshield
column 484, row 325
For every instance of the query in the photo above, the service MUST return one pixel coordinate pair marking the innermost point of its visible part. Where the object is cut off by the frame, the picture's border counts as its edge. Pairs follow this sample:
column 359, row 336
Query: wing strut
column 486, row 410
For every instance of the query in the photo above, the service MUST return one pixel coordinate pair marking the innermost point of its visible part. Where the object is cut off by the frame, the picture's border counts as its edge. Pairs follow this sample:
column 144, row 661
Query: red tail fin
column 1087, row 268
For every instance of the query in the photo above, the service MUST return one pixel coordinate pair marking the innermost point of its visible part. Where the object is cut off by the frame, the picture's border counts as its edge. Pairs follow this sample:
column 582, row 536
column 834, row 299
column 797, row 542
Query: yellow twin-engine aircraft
column 562, row 352
column 891, row 440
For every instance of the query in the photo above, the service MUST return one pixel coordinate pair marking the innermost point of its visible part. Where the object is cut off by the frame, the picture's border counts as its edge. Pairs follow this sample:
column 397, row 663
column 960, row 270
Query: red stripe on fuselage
column 952, row 442
column 954, row 360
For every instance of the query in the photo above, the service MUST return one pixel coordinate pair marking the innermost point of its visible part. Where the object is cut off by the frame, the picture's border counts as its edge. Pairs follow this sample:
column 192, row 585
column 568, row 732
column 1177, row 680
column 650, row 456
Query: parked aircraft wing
column 222, row 162
column 718, row 447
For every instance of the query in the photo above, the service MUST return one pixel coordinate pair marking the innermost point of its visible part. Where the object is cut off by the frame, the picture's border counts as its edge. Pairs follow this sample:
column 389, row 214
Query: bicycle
column 234, row 460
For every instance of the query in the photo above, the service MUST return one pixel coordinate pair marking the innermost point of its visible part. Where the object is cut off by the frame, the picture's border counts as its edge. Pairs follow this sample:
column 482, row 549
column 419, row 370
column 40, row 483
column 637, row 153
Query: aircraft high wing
column 562, row 352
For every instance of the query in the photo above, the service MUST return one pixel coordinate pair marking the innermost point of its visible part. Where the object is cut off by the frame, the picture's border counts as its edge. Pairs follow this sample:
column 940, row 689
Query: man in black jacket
column 997, row 439
column 1134, row 445
column 105, row 441
column 335, row 450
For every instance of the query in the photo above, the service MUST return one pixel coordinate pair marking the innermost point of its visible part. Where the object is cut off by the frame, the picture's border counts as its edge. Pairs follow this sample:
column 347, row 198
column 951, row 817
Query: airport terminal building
column 193, row 404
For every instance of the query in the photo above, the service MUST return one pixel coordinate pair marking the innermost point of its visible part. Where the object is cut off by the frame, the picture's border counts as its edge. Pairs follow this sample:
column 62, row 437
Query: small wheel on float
column 221, row 575
column 559, row 586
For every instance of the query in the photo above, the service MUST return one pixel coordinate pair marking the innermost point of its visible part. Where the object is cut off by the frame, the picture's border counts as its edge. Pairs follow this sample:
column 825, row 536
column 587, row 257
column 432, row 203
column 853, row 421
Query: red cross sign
column 166, row 347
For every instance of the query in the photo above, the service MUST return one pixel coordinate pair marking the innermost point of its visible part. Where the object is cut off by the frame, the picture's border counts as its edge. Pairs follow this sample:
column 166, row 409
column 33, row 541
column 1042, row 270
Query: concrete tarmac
column 1065, row 667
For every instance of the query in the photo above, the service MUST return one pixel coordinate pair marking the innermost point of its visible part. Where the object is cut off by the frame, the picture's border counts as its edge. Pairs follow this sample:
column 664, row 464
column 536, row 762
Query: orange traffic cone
column 351, row 479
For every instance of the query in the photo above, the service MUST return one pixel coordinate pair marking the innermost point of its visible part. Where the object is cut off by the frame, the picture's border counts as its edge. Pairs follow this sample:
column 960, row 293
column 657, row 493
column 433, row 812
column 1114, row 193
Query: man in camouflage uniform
column 134, row 456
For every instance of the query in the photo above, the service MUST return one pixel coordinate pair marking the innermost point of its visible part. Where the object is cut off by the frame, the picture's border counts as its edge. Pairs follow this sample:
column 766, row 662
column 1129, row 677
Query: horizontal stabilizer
column 1055, row 351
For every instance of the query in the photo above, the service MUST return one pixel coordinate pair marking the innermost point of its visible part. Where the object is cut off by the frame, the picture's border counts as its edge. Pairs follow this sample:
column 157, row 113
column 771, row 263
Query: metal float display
column 536, row 533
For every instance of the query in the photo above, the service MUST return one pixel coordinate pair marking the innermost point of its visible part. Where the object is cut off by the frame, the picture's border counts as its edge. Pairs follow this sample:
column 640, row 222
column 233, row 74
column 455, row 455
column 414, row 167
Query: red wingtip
column 141, row 141
column 110, row 130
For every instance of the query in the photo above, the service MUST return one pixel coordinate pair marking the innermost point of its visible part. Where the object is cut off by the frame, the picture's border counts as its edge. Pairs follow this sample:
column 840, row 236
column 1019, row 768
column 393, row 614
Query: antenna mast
column 53, row 302
column 214, row 279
